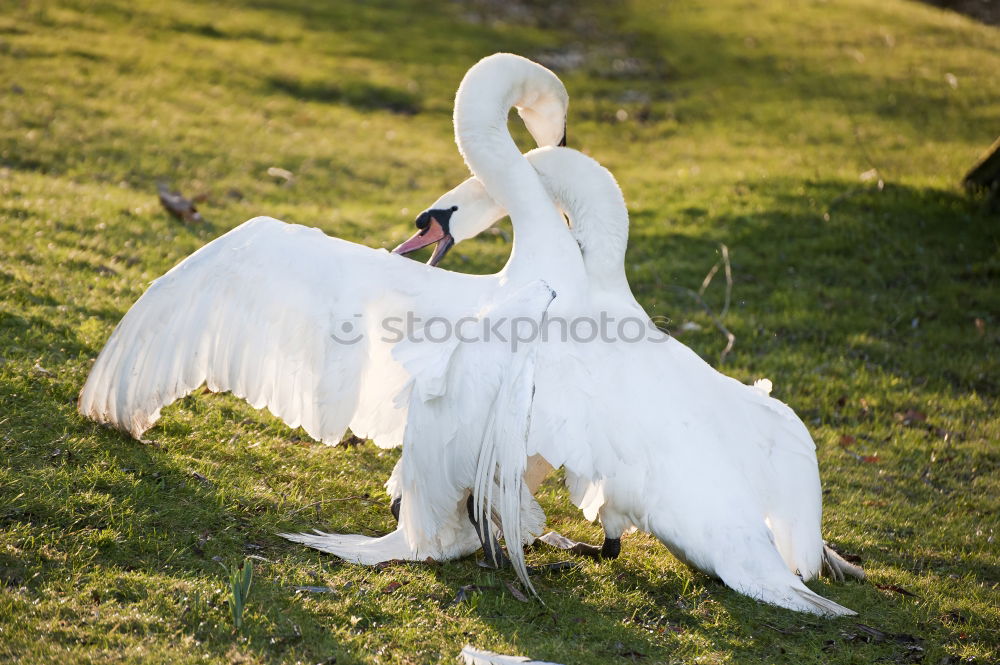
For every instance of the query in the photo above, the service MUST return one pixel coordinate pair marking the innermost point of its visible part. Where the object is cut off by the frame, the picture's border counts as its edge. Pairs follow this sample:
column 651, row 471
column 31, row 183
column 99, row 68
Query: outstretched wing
column 272, row 312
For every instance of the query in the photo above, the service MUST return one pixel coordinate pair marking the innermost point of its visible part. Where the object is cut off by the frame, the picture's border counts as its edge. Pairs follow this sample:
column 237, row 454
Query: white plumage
column 267, row 312
column 470, row 405
column 653, row 437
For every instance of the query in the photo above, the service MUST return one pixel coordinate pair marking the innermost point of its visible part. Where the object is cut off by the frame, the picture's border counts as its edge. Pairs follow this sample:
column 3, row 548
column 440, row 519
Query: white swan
column 290, row 319
column 723, row 474
column 469, row 416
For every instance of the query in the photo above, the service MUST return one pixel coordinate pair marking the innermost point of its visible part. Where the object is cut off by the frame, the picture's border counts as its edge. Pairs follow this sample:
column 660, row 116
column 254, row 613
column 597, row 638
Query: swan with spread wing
column 291, row 319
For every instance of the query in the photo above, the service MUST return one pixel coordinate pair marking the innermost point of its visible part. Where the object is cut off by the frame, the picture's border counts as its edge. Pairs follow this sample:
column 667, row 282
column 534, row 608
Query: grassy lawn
column 821, row 142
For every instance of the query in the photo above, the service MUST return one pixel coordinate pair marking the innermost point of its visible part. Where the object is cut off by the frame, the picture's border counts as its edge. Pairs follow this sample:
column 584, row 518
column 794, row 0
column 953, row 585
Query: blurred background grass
column 822, row 142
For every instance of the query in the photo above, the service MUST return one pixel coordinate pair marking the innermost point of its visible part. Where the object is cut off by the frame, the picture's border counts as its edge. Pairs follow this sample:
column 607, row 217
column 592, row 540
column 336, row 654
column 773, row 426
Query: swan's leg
column 491, row 547
column 394, row 488
column 615, row 524
column 609, row 549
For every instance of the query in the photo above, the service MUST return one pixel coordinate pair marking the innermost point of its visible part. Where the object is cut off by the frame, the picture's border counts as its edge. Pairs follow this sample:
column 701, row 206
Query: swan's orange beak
column 432, row 230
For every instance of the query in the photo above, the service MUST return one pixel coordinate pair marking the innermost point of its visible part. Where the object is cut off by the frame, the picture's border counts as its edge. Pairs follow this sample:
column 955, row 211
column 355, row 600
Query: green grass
column 741, row 122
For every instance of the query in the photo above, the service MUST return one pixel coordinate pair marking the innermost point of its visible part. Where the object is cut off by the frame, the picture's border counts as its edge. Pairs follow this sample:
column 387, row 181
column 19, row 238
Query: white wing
column 278, row 314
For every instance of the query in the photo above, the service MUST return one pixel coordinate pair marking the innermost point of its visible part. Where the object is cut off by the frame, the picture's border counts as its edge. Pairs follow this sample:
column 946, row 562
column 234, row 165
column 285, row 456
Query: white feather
column 473, row 656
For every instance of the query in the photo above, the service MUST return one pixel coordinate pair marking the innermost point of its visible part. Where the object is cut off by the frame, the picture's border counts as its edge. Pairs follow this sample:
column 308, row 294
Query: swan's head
column 462, row 213
column 545, row 117
column 542, row 101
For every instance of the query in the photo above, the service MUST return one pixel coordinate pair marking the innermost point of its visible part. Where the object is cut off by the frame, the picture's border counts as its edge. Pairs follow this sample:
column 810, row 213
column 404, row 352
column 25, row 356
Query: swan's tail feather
column 791, row 594
column 838, row 568
column 473, row 656
column 358, row 549
column 762, row 574
column 499, row 485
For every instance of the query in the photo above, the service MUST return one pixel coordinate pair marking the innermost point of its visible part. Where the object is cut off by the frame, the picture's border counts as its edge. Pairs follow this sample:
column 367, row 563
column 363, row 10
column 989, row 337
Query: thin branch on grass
column 865, row 154
column 697, row 295
column 730, row 337
column 856, row 131
column 708, row 278
column 729, row 278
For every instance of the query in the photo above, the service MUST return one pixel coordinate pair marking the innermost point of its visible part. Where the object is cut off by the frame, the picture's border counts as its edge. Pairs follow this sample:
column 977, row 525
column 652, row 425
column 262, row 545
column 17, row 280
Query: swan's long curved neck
column 488, row 91
column 589, row 195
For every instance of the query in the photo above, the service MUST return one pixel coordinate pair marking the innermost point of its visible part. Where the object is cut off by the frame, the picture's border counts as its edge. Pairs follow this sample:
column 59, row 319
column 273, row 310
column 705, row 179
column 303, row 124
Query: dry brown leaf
column 896, row 589
column 178, row 206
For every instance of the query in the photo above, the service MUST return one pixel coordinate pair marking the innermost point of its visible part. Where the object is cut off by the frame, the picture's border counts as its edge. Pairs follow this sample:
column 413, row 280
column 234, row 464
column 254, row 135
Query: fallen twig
column 724, row 263
column 730, row 337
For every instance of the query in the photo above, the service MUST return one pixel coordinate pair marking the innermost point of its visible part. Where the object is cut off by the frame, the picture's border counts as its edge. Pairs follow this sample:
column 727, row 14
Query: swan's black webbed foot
column 611, row 548
column 394, row 508
column 494, row 555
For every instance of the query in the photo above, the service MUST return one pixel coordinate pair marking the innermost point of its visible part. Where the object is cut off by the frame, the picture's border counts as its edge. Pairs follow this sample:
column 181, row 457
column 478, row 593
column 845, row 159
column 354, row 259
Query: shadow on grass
column 213, row 31
column 895, row 277
column 358, row 94
column 132, row 514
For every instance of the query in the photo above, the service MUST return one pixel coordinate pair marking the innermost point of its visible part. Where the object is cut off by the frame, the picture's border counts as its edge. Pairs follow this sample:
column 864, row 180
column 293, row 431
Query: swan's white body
column 650, row 435
column 723, row 474
column 638, row 452
column 469, row 418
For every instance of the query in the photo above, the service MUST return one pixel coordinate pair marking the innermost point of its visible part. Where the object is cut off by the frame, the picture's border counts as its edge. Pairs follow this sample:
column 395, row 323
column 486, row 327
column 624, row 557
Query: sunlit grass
column 753, row 124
